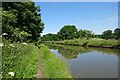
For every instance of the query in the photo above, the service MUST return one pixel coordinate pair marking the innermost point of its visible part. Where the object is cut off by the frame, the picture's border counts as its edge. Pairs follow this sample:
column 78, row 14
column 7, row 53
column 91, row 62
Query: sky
column 94, row 16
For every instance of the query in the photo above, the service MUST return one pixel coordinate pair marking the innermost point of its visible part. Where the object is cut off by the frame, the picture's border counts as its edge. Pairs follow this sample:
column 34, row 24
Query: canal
column 84, row 62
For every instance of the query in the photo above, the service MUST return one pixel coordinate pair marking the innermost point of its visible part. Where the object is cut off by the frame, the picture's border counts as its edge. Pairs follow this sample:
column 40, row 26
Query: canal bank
column 94, row 42
column 52, row 67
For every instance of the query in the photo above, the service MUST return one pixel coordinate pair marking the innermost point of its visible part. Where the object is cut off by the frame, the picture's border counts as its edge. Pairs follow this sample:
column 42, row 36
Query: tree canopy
column 117, row 33
column 50, row 37
column 67, row 32
column 107, row 34
column 22, row 21
column 84, row 34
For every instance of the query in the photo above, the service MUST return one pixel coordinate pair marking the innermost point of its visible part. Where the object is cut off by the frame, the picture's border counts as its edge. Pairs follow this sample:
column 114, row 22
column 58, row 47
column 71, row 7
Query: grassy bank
column 19, row 60
column 94, row 42
column 52, row 67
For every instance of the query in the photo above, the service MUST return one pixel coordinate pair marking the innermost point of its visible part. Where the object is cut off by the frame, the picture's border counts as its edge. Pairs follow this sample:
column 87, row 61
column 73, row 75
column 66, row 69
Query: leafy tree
column 117, row 33
column 107, row 34
column 20, row 35
column 55, row 37
column 8, row 21
column 84, row 34
column 50, row 37
column 67, row 32
column 25, row 16
column 97, row 35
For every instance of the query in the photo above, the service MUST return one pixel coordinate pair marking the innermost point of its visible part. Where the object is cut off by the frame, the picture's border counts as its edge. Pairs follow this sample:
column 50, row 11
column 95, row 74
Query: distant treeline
column 71, row 32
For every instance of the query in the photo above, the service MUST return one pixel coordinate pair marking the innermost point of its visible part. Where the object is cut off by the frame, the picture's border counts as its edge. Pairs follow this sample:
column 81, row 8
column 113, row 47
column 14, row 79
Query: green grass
column 52, row 67
column 103, row 42
column 91, row 42
column 20, row 59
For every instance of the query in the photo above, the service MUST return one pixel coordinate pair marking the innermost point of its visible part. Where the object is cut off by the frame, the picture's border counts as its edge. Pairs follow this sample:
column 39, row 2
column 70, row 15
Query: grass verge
column 20, row 59
column 52, row 67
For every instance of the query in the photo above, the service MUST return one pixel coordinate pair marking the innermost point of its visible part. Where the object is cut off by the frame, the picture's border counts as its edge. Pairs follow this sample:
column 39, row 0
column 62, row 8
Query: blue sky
column 95, row 16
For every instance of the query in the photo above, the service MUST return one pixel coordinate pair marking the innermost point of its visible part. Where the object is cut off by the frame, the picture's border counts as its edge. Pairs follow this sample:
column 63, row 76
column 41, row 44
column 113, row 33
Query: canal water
column 85, row 62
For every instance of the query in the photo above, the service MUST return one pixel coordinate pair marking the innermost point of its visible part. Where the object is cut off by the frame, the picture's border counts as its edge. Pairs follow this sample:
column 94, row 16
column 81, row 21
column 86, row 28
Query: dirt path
column 39, row 71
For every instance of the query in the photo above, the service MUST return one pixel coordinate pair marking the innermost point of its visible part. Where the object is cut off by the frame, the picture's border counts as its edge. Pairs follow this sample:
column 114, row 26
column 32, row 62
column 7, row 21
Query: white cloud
column 48, row 33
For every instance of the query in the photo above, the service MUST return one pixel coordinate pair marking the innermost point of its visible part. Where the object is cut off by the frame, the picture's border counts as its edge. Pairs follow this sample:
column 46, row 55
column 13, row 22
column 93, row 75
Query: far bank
column 93, row 42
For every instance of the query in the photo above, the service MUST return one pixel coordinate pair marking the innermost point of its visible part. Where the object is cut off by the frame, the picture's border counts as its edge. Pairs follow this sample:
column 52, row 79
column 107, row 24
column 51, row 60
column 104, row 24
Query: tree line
column 71, row 32
column 21, row 21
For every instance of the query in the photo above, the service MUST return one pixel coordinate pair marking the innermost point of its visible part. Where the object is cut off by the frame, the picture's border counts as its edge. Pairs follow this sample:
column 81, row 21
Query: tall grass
column 91, row 42
column 103, row 42
column 52, row 67
column 20, row 59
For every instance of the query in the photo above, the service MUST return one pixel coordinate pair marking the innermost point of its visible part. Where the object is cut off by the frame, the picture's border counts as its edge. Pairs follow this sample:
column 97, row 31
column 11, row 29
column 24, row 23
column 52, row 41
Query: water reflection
column 71, row 52
column 88, row 62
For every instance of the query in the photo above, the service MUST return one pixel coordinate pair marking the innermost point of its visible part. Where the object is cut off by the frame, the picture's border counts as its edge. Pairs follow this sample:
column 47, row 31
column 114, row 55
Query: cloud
column 48, row 33
column 110, row 20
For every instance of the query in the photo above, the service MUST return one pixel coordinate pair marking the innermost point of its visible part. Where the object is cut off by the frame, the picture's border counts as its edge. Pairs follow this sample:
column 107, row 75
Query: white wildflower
column 11, row 73
column 1, row 44
column 4, row 34
column 18, row 41
column 25, row 43
column 11, row 45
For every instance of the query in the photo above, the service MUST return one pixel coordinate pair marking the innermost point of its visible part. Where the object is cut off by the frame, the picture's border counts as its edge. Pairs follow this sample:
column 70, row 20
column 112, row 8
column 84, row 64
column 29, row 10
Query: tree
column 50, row 37
column 84, row 34
column 107, row 34
column 8, row 21
column 28, row 19
column 97, row 35
column 117, row 33
column 67, row 32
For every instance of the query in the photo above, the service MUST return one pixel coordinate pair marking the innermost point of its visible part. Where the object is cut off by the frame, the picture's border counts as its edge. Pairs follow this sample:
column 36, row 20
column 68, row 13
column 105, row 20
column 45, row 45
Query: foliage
column 84, row 34
column 52, row 66
column 8, row 21
column 97, row 36
column 24, row 16
column 67, row 32
column 19, row 58
column 107, row 34
column 117, row 33
column 20, row 35
column 50, row 37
